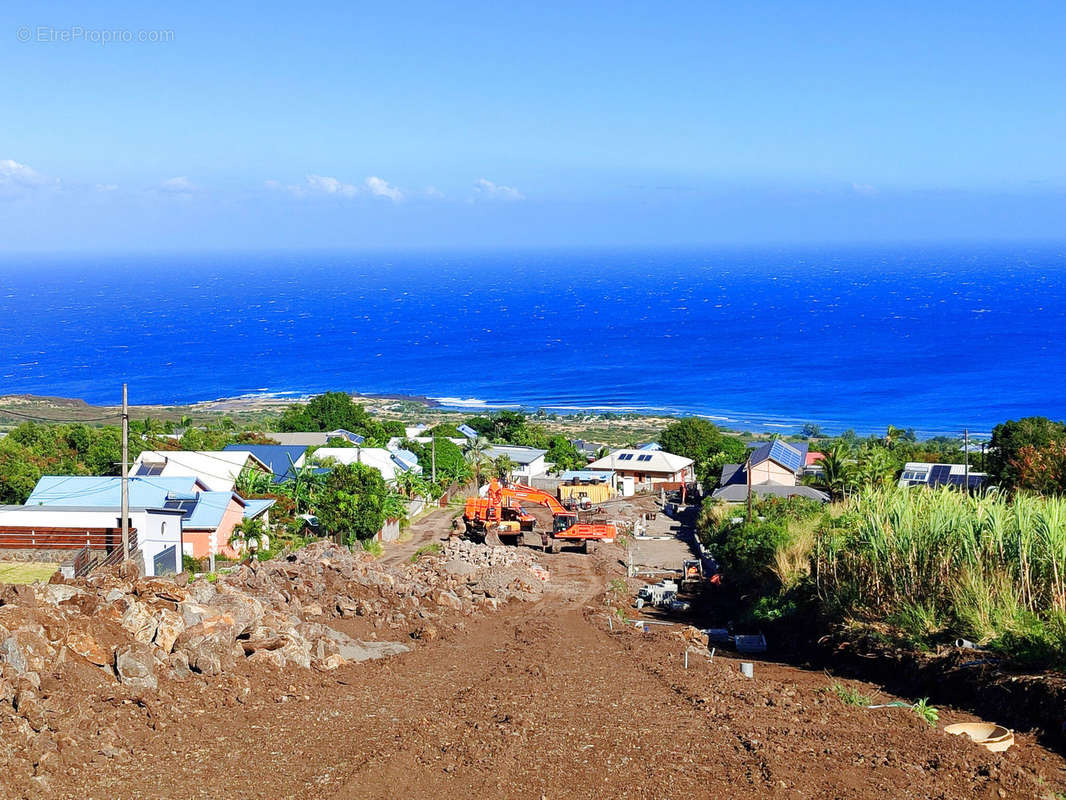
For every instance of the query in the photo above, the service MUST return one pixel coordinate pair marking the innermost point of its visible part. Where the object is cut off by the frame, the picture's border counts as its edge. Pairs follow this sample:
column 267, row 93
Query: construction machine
column 498, row 518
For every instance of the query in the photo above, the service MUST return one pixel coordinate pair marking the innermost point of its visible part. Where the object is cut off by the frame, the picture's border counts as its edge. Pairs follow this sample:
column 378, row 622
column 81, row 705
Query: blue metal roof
column 106, row 492
column 208, row 511
column 405, row 459
column 467, row 431
column 279, row 457
column 255, row 507
column 650, row 446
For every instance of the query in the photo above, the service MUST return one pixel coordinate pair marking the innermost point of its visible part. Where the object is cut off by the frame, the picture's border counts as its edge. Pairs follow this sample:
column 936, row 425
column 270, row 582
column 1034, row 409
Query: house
column 216, row 469
column 59, row 533
column 777, row 462
column 775, row 467
column 280, row 459
column 647, row 468
column 388, row 463
column 314, row 438
column 207, row 518
column 467, row 431
column 917, row 473
column 528, row 461
column 588, row 449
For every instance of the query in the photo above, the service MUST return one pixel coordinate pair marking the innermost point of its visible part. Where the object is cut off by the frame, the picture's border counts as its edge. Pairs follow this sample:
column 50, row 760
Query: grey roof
column 519, row 455
column 738, row 492
column 732, row 473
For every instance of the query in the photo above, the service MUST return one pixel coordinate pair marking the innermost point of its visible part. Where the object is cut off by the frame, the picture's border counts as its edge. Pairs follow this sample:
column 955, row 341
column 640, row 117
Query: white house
column 528, row 461
column 61, row 531
column 647, row 467
column 388, row 463
column 918, row 473
column 215, row 469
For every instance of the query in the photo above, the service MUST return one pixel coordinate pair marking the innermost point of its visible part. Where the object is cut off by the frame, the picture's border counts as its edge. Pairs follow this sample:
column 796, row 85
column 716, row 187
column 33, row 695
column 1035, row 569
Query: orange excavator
column 499, row 518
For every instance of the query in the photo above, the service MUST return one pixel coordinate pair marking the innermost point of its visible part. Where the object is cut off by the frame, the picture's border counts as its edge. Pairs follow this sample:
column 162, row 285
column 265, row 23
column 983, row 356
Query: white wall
column 157, row 529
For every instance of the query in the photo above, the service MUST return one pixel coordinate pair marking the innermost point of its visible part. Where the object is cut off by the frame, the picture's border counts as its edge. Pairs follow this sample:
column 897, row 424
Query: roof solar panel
column 783, row 453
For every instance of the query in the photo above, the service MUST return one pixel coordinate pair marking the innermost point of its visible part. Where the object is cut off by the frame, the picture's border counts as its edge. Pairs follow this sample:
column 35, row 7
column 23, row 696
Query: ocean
column 935, row 338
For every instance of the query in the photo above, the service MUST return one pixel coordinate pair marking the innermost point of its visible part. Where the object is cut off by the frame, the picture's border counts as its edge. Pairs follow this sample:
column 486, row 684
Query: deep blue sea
column 935, row 338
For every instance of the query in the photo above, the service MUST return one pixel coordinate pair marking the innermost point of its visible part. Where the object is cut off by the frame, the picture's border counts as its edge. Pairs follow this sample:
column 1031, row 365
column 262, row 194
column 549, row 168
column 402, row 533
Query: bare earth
column 544, row 700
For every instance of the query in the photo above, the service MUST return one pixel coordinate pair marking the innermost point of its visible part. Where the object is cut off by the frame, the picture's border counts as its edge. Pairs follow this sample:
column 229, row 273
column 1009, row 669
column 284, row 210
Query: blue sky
column 273, row 125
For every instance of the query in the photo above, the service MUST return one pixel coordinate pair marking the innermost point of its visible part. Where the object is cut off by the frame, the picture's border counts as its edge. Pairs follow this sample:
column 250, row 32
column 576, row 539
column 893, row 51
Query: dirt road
column 544, row 700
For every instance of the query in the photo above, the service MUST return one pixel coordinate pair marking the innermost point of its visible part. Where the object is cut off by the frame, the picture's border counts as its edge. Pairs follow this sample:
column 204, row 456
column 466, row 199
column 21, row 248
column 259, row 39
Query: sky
column 258, row 126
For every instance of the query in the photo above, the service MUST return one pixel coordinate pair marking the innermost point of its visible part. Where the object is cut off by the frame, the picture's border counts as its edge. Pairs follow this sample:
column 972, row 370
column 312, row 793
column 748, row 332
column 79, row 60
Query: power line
column 33, row 418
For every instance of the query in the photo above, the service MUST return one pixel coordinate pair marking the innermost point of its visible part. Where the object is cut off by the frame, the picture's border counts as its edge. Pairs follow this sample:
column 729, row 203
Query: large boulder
column 135, row 666
column 26, row 651
column 84, row 644
column 169, row 626
column 140, row 621
column 209, row 651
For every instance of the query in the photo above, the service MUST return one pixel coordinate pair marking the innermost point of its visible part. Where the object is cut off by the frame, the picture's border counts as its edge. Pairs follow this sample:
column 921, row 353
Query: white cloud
column 180, row 186
column 434, row 192
column 486, row 188
column 327, row 185
column 865, row 189
column 107, row 187
column 14, row 175
column 382, row 188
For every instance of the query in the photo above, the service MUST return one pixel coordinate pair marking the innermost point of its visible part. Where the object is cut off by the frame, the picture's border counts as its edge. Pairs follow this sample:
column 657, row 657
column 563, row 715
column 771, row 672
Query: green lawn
column 26, row 571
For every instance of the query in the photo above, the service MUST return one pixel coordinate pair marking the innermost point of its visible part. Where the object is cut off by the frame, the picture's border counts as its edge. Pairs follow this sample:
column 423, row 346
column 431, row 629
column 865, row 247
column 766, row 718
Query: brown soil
column 538, row 700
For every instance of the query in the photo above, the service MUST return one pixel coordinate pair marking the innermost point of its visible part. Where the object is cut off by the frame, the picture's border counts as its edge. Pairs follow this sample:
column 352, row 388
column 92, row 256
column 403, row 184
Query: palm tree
column 248, row 535
column 837, row 470
column 876, row 466
column 478, row 458
column 303, row 487
column 502, row 467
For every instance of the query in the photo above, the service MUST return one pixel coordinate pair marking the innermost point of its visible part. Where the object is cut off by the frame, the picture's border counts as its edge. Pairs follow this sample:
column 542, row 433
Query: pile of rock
column 149, row 633
column 498, row 573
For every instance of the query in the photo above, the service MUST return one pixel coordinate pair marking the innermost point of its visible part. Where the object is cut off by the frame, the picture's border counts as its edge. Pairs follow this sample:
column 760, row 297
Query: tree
column 478, row 457
column 876, row 466
column 352, row 506
column 812, row 430
column 837, row 470
column 1006, row 460
column 564, row 455
column 446, row 430
column 248, row 535
column 502, row 467
column 336, row 411
column 1041, row 469
column 704, row 443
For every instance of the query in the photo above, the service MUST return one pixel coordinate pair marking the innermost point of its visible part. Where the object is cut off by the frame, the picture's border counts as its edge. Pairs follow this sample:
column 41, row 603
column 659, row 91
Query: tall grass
column 988, row 568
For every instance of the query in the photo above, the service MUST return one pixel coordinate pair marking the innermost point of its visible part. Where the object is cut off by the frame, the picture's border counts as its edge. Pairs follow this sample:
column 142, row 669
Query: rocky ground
column 504, row 678
column 76, row 658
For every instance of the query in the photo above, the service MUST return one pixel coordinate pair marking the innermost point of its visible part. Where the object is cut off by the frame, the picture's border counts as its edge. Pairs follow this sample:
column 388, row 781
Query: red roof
column 811, row 458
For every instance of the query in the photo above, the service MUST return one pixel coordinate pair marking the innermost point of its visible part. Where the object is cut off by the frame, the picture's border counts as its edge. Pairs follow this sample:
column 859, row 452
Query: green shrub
column 373, row 546
column 432, row 547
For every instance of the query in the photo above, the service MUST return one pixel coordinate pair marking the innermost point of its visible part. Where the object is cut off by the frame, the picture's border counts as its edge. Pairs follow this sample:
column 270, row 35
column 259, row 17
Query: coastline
column 46, row 408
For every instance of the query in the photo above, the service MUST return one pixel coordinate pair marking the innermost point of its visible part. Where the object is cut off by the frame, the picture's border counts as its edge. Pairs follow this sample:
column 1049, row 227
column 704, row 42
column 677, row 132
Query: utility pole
column 747, row 472
column 125, row 475
column 433, row 451
column 966, row 457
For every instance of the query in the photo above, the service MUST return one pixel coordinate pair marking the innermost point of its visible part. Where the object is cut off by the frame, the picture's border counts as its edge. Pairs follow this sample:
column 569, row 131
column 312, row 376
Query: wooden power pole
column 125, row 475
column 966, row 458
column 747, row 472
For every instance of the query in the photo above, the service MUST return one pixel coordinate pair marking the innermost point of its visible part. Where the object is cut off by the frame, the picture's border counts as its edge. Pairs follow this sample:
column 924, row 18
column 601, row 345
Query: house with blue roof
column 281, row 459
column 467, row 431
column 207, row 517
column 775, row 467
